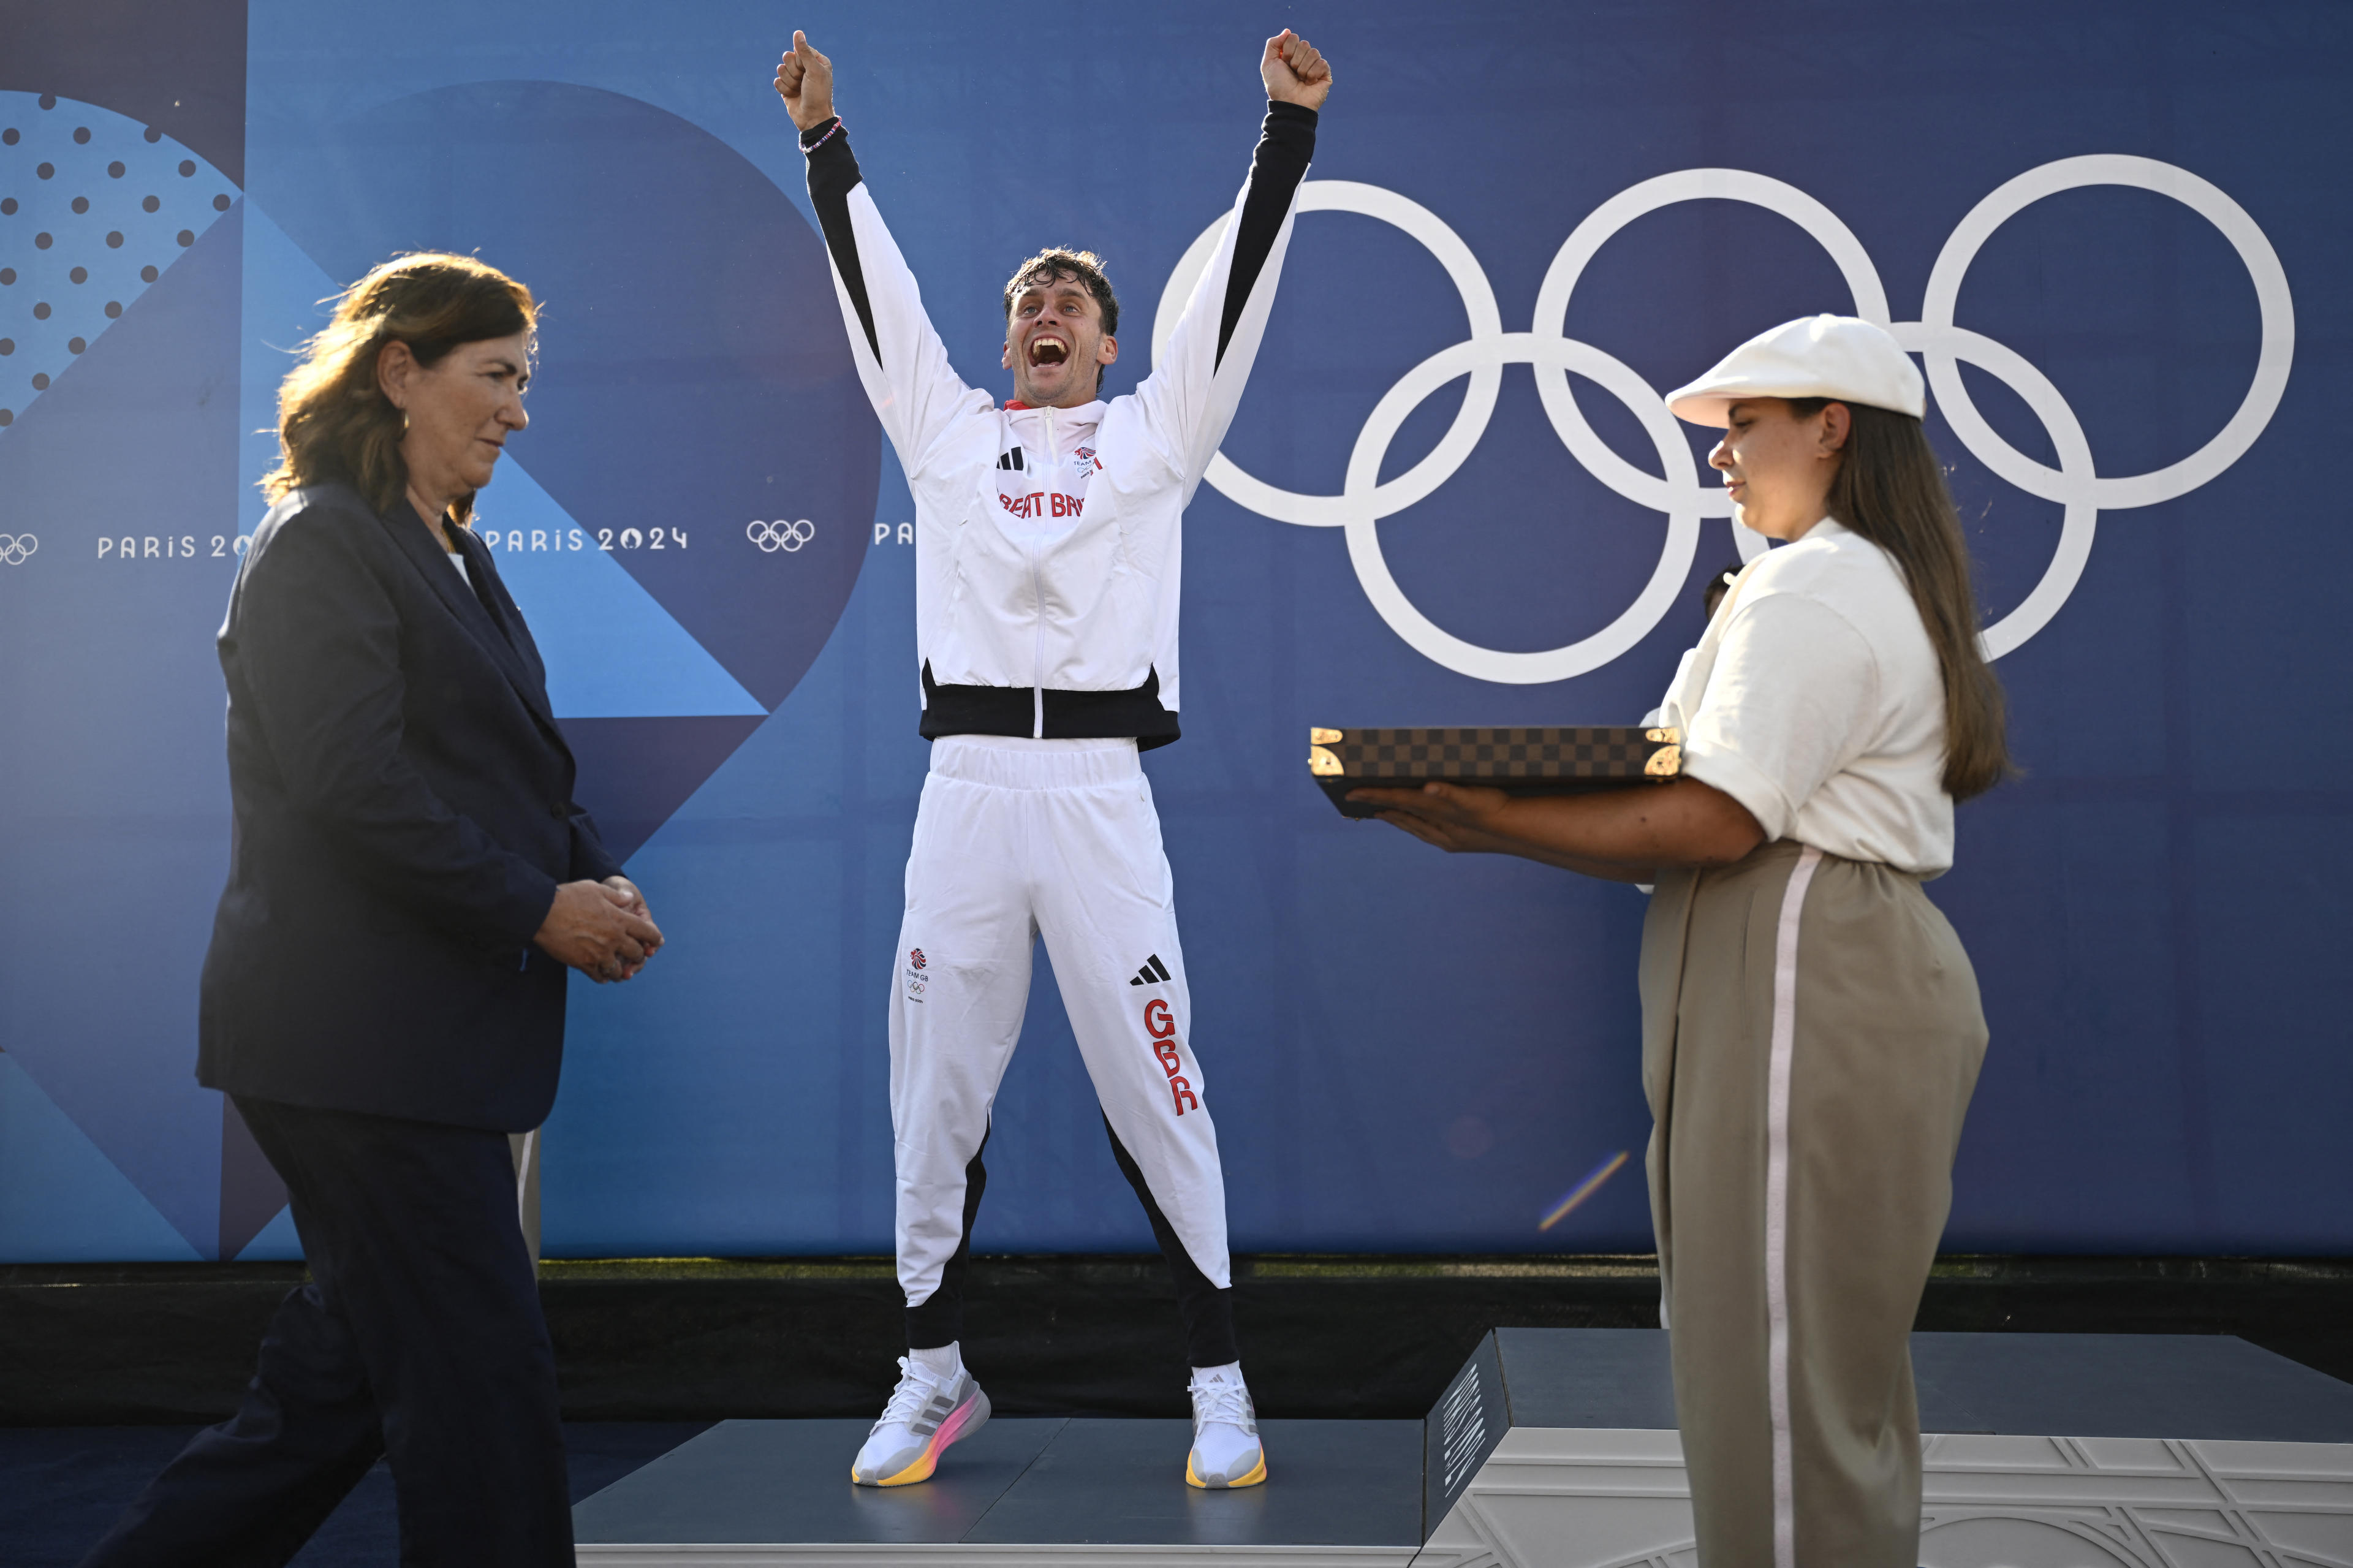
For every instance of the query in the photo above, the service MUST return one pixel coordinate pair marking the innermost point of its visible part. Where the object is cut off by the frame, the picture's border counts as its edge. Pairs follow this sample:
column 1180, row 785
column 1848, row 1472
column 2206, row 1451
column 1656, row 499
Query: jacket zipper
column 1038, row 591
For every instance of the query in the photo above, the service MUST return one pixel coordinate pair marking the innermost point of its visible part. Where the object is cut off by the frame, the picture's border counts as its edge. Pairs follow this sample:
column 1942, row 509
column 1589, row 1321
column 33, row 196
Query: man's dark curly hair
column 1083, row 266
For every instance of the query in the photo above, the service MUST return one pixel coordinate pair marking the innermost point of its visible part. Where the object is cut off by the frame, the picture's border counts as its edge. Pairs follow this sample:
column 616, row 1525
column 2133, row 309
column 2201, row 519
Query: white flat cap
column 1840, row 357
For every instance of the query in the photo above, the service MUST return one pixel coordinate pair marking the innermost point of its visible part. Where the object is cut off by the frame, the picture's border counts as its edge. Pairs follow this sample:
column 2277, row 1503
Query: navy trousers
column 419, row 1337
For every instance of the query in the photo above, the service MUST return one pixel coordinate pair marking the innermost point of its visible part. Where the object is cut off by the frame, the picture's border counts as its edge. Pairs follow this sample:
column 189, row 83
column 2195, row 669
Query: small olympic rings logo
column 780, row 534
column 16, row 549
column 2075, row 484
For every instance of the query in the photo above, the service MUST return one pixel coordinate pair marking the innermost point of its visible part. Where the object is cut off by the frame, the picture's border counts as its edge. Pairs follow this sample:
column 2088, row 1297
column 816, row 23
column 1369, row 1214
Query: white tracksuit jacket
column 1047, row 553
column 1046, row 540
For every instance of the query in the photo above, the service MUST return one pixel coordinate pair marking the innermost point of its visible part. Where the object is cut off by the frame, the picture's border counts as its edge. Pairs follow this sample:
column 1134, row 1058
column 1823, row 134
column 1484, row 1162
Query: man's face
column 1054, row 343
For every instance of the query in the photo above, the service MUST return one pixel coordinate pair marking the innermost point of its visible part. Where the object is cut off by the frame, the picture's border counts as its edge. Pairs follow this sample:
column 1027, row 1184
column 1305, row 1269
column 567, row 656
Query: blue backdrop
column 2117, row 230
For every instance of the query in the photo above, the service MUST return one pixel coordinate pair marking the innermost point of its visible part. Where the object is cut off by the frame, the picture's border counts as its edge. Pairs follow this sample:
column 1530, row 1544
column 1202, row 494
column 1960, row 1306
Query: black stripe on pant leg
column 939, row 1322
column 1208, row 1312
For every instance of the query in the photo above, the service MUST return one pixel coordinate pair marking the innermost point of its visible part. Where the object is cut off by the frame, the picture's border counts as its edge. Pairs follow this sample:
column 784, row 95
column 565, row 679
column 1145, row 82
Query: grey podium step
column 2120, row 1385
column 1553, row 1448
column 1068, row 1491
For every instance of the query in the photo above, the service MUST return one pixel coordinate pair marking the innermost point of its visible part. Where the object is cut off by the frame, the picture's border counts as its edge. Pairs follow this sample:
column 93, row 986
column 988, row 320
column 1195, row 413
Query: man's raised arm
column 1197, row 381
column 901, row 361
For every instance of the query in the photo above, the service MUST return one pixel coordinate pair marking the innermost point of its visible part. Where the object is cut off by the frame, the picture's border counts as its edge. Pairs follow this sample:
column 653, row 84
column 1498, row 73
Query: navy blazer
column 404, row 812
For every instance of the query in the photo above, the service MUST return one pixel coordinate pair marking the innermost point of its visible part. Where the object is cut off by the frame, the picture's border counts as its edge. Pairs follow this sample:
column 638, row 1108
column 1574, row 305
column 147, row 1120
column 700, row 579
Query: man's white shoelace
column 1225, row 1402
column 914, row 1391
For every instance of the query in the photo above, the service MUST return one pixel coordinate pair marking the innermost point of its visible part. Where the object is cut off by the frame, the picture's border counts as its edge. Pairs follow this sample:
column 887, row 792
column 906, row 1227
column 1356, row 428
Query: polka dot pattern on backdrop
column 94, row 207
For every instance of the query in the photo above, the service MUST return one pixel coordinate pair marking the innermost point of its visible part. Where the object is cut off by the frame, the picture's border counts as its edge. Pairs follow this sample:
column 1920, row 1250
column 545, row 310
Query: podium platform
column 1553, row 1448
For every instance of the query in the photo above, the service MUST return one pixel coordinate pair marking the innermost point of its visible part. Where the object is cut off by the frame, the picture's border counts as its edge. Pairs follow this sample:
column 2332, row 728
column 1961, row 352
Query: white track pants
column 1015, row 840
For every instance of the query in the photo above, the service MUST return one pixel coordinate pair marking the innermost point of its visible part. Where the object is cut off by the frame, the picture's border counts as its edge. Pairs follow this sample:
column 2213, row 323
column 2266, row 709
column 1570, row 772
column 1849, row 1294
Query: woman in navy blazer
column 384, row 996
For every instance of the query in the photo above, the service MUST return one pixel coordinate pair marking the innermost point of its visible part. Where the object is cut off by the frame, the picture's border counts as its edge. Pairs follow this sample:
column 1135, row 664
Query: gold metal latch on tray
column 1323, row 762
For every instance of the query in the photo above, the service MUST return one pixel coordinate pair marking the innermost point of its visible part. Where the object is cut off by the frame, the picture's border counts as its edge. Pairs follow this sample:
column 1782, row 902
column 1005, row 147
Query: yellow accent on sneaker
column 920, row 1470
column 1257, row 1476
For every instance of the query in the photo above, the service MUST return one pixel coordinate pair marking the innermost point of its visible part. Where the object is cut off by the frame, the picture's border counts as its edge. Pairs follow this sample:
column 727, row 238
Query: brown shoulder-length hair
column 335, row 422
column 1891, row 489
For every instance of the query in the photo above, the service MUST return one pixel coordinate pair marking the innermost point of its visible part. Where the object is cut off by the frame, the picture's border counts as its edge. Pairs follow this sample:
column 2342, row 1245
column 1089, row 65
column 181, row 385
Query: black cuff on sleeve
column 1289, row 120
column 832, row 168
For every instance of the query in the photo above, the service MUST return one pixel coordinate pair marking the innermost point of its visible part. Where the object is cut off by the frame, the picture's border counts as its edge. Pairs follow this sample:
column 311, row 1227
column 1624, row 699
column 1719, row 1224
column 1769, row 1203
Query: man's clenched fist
column 1292, row 70
column 805, row 82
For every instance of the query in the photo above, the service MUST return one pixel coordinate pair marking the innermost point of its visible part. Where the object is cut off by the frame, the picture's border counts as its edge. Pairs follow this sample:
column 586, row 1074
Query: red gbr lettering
column 1162, row 1025
column 1050, row 503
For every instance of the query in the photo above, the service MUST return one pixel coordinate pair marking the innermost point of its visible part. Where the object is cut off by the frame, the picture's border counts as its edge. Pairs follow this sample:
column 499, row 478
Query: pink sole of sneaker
column 962, row 1422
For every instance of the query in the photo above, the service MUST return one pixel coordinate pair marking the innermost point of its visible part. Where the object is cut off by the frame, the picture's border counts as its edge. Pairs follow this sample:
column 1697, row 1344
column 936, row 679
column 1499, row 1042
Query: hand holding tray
column 1515, row 761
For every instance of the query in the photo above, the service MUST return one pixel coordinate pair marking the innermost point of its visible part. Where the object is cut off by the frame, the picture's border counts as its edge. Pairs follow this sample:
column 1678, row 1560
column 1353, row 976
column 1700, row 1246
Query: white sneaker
column 1226, row 1450
column 926, row 1413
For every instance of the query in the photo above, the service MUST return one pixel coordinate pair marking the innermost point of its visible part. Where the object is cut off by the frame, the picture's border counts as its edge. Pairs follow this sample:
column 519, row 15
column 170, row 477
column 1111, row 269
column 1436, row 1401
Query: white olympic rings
column 16, row 549
column 780, row 534
column 1677, row 490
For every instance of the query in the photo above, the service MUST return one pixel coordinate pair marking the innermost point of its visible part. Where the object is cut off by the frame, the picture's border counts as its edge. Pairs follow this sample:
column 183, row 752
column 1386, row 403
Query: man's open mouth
column 1047, row 350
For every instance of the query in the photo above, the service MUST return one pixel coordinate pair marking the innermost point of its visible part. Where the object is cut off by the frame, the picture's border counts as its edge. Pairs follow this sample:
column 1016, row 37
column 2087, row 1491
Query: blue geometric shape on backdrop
column 612, row 650
column 634, row 773
column 61, row 1199
column 93, row 206
column 287, row 299
column 116, row 837
column 276, row 1242
column 692, row 376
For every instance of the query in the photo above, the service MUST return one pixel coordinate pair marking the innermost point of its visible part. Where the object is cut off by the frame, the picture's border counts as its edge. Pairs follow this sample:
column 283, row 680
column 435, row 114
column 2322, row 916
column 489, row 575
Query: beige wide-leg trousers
column 1811, row 1037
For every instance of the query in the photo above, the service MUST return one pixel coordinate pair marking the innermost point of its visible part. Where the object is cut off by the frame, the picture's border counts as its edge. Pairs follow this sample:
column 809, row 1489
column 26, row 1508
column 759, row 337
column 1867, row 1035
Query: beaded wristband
column 831, row 132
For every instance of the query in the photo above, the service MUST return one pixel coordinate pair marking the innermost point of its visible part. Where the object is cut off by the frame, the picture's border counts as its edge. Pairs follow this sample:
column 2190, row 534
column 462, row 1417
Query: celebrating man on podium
column 1046, row 557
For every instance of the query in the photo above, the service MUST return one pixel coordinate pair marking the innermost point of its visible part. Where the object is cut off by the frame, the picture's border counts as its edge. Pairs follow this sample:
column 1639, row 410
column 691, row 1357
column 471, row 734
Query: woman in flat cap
column 1810, row 1026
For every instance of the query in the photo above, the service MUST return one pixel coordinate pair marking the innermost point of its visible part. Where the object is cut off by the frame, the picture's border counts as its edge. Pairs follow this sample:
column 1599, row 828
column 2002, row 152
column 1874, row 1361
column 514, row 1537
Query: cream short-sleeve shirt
column 1815, row 701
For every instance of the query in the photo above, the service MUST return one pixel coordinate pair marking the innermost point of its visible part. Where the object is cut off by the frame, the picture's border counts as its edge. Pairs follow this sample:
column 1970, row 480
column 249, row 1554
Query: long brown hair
column 1891, row 489
column 334, row 424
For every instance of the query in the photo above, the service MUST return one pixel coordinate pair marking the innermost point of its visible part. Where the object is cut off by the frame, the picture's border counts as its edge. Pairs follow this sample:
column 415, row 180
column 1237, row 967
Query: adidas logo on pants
column 1017, row 840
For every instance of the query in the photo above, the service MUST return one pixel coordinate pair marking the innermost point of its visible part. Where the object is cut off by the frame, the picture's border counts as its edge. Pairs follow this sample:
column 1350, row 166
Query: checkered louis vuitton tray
column 1518, row 761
